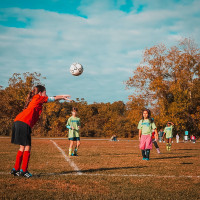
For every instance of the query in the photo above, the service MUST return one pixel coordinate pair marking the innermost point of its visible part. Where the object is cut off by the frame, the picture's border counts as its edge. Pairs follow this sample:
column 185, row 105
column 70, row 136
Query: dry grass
column 109, row 170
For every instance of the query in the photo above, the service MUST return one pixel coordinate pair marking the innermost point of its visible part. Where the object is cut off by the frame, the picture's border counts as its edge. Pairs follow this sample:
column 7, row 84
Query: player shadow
column 186, row 149
column 108, row 169
column 187, row 163
column 172, row 157
column 89, row 170
column 119, row 154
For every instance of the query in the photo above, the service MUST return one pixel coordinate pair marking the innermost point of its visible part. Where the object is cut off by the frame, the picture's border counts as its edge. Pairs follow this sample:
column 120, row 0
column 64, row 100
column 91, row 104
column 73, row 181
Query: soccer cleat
column 147, row 158
column 75, row 154
column 25, row 174
column 143, row 158
column 15, row 172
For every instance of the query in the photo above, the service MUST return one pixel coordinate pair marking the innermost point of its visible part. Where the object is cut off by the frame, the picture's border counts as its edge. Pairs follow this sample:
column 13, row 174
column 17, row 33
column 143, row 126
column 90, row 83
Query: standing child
column 73, row 124
column 23, row 123
column 169, row 135
column 145, row 126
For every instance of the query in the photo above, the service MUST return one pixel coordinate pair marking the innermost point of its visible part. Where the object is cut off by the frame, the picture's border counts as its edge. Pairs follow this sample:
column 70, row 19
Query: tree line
column 166, row 81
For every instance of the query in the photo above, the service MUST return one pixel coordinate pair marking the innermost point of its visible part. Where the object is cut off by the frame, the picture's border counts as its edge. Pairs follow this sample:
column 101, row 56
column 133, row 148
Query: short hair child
column 73, row 124
column 169, row 135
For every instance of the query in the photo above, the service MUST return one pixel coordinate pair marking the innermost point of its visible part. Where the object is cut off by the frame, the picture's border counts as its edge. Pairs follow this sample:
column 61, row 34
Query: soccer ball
column 76, row 69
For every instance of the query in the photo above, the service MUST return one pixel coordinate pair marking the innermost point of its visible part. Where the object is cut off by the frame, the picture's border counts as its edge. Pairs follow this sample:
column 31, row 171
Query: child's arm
column 156, row 134
column 68, row 124
column 63, row 97
column 163, row 135
column 140, row 133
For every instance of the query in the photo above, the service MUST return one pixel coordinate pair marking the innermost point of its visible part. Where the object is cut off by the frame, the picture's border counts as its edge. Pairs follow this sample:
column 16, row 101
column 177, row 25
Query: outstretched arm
column 63, row 97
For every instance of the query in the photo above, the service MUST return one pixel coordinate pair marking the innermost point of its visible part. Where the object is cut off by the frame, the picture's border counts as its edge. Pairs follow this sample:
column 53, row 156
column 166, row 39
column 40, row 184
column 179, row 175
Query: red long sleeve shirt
column 31, row 114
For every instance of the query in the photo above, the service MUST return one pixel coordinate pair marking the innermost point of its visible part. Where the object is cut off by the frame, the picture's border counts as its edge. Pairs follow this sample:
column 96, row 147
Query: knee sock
column 75, row 150
column 25, row 161
column 170, row 144
column 143, row 153
column 147, row 153
column 167, row 146
column 70, row 151
column 18, row 160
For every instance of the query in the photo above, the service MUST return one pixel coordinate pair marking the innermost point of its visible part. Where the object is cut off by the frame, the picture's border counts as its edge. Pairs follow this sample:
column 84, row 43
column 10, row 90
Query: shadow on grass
column 186, row 149
column 162, row 158
column 89, row 170
column 184, row 163
column 119, row 154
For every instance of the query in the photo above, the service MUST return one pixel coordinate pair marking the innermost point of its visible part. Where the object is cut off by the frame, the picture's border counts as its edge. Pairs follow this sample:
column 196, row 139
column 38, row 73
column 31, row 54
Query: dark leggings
column 155, row 144
column 146, row 153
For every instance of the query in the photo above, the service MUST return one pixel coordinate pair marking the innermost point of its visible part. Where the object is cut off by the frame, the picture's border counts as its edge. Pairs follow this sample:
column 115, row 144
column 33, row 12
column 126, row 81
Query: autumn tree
column 168, row 80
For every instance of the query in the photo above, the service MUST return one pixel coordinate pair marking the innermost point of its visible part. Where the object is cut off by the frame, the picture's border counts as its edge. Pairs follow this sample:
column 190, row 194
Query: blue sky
column 107, row 37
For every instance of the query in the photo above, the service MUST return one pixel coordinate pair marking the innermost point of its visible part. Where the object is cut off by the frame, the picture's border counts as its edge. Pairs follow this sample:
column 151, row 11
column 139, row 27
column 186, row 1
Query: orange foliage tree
column 168, row 81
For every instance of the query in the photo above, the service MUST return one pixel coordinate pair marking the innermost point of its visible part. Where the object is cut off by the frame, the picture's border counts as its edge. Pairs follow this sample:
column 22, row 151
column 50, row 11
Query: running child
column 73, row 124
column 168, row 131
column 23, row 123
column 145, row 126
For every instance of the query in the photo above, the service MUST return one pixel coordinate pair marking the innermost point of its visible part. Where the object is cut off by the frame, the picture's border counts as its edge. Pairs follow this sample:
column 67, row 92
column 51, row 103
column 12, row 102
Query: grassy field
column 103, row 170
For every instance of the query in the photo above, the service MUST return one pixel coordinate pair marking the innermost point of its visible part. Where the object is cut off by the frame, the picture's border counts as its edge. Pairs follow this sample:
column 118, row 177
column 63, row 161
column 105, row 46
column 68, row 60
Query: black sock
column 147, row 153
column 143, row 154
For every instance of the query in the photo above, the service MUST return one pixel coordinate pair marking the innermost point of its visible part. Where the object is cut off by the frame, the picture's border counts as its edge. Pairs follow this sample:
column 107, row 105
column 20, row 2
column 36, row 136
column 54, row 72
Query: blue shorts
column 74, row 139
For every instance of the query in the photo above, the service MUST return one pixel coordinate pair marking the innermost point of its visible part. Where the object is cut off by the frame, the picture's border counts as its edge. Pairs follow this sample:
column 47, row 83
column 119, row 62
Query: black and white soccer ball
column 76, row 69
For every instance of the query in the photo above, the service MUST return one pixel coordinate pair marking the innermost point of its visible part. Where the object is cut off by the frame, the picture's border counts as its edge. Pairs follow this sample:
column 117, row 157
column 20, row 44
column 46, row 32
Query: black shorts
column 21, row 134
column 74, row 139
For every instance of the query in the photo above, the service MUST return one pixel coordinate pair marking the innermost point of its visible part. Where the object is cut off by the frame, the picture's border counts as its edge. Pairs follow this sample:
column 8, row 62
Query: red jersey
column 31, row 114
column 153, row 135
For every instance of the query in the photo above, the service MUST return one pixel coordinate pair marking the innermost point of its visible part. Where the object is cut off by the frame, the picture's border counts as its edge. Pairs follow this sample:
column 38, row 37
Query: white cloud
column 109, row 44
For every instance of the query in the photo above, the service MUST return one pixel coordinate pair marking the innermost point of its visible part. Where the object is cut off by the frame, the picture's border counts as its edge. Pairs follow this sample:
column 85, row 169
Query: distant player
column 193, row 139
column 177, row 138
column 145, row 126
column 169, row 135
column 24, row 121
column 73, row 124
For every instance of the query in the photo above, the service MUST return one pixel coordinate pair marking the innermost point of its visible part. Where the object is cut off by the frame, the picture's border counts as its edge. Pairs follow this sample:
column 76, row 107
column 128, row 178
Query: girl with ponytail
column 146, row 126
column 23, row 123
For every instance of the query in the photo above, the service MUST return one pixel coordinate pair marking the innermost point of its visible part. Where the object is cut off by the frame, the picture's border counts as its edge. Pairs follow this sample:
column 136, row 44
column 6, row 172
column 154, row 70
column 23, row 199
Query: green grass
column 110, row 170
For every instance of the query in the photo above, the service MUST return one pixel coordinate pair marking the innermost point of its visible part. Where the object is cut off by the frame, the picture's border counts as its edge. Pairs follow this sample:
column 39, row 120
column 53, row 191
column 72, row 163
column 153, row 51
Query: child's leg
column 143, row 154
column 19, row 158
column 157, row 147
column 170, row 143
column 26, row 158
column 167, row 145
column 156, row 144
column 77, row 146
column 70, row 147
column 147, row 154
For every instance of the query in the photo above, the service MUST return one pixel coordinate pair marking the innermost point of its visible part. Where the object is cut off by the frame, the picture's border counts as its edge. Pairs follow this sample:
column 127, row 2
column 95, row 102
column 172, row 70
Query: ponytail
column 36, row 90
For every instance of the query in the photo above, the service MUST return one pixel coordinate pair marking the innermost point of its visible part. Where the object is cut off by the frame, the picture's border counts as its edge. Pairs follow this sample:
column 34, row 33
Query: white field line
column 112, row 175
column 72, row 164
